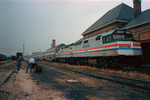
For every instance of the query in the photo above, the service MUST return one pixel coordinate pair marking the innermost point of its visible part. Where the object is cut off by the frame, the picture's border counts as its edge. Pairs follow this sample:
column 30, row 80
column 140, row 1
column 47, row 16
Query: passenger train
column 109, row 49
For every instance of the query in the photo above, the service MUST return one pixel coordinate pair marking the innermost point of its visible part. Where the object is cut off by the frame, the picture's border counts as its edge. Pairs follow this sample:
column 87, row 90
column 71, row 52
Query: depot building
column 125, row 17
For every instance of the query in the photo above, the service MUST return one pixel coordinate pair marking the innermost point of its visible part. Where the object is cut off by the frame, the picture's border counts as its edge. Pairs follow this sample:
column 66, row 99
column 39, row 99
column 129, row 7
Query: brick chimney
column 136, row 7
column 53, row 43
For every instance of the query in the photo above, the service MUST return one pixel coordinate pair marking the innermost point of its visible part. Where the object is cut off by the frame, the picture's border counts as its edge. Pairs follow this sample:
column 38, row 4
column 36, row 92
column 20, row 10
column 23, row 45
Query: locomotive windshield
column 118, row 35
column 122, row 35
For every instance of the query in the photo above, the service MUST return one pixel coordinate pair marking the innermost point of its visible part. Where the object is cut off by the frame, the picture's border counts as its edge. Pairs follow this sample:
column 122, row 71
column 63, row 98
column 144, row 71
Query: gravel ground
column 106, row 76
column 20, row 86
column 80, row 87
column 130, row 74
column 54, row 84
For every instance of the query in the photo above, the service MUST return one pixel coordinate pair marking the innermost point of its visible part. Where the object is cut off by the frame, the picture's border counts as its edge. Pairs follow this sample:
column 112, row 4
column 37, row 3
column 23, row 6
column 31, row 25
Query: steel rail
column 135, row 86
column 4, row 80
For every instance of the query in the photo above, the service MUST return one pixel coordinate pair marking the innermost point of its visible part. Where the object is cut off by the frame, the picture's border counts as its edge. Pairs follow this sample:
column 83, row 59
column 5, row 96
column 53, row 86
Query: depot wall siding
column 141, row 32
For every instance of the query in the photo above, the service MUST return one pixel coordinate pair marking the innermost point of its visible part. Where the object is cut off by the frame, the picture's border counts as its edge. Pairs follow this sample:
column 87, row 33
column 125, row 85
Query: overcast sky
column 36, row 22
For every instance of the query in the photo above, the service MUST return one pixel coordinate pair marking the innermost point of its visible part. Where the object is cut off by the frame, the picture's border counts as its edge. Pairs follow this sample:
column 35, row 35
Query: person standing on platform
column 19, row 61
column 31, row 61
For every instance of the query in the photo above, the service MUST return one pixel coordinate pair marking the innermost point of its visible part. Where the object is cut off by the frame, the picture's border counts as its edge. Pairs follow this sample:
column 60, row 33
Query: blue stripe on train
column 102, row 50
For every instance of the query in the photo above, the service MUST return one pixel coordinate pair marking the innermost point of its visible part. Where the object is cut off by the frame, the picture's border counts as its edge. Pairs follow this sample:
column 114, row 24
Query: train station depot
column 125, row 17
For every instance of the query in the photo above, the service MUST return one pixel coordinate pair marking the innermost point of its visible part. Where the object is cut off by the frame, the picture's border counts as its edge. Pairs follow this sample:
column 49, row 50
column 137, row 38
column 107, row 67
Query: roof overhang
column 117, row 20
column 129, row 27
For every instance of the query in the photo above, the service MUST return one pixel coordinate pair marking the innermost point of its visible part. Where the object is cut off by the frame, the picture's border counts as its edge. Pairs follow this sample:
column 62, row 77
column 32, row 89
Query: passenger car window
column 78, row 43
column 86, row 41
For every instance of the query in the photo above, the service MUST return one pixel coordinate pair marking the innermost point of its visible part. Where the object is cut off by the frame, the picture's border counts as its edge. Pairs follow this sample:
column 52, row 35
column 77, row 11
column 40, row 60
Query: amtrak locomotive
column 109, row 49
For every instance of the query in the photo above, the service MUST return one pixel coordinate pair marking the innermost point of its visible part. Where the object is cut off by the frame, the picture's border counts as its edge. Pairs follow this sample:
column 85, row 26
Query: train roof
column 107, row 33
column 60, row 45
column 57, row 46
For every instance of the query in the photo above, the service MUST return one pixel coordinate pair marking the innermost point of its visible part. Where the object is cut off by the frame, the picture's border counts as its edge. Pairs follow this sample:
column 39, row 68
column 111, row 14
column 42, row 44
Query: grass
column 139, row 75
column 130, row 74
column 81, row 67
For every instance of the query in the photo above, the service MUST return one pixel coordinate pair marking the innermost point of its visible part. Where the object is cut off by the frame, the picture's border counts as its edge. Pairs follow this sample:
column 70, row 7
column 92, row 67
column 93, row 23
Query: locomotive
column 3, row 57
column 109, row 49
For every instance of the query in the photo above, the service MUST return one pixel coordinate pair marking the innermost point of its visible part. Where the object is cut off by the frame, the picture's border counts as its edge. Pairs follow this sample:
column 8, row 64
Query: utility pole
column 23, row 51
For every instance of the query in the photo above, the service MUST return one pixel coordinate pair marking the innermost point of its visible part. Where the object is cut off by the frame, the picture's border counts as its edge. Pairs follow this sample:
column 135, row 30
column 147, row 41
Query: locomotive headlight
column 131, row 43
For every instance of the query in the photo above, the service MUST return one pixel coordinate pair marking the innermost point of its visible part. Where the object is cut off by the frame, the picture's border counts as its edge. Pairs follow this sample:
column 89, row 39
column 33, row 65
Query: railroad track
column 6, row 72
column 138, row 85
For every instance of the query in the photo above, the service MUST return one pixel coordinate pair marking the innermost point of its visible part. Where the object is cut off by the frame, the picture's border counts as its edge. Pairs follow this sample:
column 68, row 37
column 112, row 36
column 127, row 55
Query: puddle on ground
column 71, row 80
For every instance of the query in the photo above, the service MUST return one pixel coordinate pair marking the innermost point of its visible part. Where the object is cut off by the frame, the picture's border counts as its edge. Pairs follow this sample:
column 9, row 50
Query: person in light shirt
column 31, row 61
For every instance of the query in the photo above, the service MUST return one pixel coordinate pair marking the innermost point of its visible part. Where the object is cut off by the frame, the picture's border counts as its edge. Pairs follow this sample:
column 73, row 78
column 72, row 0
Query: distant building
column 125, row 17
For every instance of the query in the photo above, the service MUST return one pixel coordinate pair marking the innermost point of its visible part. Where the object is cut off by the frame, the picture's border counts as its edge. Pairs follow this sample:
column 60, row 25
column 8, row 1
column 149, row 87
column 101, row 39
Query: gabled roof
column 122, row 13
column 142, row 18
